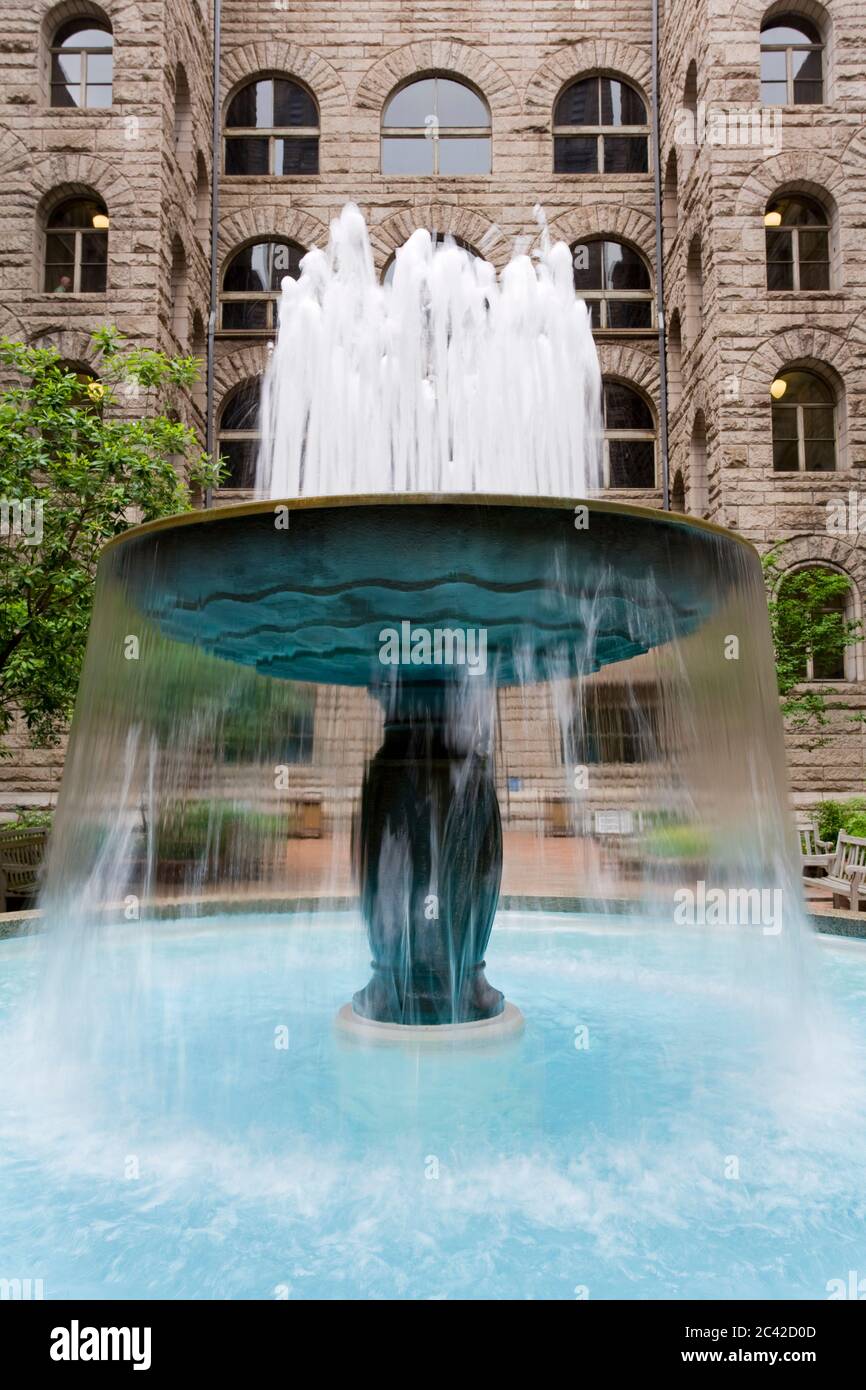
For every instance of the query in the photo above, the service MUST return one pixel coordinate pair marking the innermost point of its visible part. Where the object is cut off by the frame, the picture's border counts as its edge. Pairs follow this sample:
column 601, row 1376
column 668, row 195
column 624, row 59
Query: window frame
column 847, row 658
column 627, row 436
column 799, row 407
column 78, row 233
column 793, row 230
column 270, row 133
column 603, row 297
column 439, row 131
column 84, row 51
column 230, row 436
column 271, row 297
column 561, row 132
column 789, row 49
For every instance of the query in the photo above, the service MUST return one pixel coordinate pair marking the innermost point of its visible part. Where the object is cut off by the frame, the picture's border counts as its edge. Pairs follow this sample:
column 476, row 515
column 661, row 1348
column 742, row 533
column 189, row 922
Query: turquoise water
column 684, row 1117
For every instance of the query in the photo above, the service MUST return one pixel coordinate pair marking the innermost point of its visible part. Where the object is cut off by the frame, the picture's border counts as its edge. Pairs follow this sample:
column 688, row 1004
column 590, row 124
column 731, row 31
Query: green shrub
column 834, row 816
column 31, row 820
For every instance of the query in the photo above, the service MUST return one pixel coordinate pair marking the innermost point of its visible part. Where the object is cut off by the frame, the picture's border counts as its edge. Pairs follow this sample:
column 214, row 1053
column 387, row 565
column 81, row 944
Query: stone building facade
column 733, row 153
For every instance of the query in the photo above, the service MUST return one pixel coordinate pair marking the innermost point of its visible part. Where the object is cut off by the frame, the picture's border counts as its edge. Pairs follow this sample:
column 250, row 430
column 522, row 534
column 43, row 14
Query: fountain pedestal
column 429, row 853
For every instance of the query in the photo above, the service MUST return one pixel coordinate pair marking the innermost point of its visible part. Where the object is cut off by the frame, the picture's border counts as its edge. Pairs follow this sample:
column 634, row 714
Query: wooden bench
column 845, row 872
column 21, row 855
column 815, row 853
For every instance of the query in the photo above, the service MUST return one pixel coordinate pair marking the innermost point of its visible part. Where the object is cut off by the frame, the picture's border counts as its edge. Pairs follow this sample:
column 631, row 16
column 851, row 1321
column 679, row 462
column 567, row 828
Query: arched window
column 600, row 127
column 678, row 493
column 251, row 285
column 694, row 291
column 238, row 434
column 76, row 247
column 179, row 305
column 690, row 88
column 797, row 233
column 675, row 360
column 792, row 62
column 815, row 623
column 436, row 125
column 88, row 393
column 804, row 423
column 183, row 143
column 438, row 239
column 198, row 349
column 671, row 203
column 82, row 64
column 629, row 438
column 615, row 282
column 272, row 128
column 699, row 491
column 202, row 199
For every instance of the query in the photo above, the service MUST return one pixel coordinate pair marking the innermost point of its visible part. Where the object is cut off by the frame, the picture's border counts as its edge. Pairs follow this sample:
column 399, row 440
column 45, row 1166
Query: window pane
column 297, row 156
column 78, row 35
column 575, row 154
column 579, row 104
column 624, row 268
column 411, row 156
column 629, row 313
column 99, row 67
column 245, row 315
column 94, row 248
column 790, row 30
column 804, row 387
column 78, row 212
column 632, row 463
column 625, row 154
column 774, row 67
column 820, row 455
column 595, row 313
column 780, row 245
column 240, row 456
column 587, row 259
column 818, row 422
column 65, row 96
column 814, row 246
column 785, row 457
column 780, row 275
column 457, row 104
column 814, row 275
column 247, row 154
column 59, row 264
column 293, row 106
column 620, row 105
column 262, row 266
column 830, row 665
column 801, row 212
column 253, row 106
column 774, row 93
column 808, row 93
column 93, row 279
column 806, row 66
column 98, row 96
column 241, row 412
column 784, row 422
column 624, row 409
column 470, row 156
column 66, row 67
column 412, row 105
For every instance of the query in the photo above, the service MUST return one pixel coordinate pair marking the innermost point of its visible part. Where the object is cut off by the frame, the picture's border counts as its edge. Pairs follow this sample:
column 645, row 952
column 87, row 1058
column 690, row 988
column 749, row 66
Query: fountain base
column 508, row 1023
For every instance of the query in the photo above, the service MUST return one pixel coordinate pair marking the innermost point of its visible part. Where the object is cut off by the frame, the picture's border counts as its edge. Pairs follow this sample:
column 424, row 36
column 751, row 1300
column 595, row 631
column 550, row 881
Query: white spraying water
column 443, row 380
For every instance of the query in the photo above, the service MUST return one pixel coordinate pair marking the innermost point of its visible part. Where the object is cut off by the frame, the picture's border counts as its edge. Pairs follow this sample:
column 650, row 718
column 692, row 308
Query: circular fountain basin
column 669, row 1125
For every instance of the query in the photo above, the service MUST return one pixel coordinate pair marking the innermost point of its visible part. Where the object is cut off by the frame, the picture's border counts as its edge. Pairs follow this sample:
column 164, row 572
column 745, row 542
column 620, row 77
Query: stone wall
column 149, row 158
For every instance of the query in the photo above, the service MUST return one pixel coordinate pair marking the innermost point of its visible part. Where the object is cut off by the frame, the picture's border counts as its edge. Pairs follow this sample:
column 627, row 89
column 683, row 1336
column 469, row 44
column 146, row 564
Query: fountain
column 431, row 690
